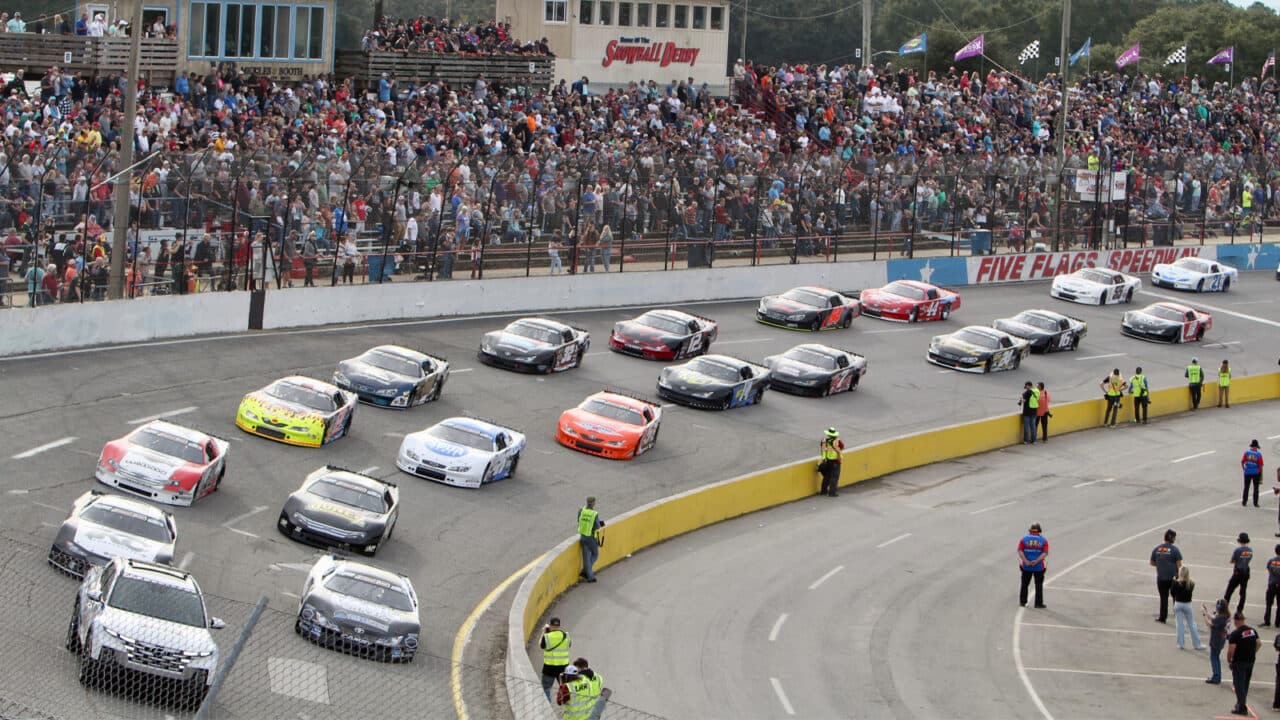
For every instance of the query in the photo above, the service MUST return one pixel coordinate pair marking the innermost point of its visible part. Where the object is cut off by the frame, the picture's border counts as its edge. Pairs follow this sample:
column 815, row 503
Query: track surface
column 457, row 544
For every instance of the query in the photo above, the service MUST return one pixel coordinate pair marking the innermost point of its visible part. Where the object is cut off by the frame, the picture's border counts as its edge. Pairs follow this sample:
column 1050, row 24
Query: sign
column 533, row 68
column 638, row 49
column 283, row 71
column 1088, row 191
column 991, row 269
column 66, row 58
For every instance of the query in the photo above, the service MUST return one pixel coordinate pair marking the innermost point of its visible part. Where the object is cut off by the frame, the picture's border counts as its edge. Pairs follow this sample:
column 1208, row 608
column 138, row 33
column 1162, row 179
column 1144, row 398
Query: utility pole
column 742, row 45
column 120, row 223
column 1064, row 62
column 866, row 32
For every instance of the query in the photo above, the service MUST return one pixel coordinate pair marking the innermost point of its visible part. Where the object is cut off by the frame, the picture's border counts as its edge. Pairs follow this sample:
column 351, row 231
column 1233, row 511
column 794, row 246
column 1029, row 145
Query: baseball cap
column 832, row 432
column 554, row 621
column 572, row 671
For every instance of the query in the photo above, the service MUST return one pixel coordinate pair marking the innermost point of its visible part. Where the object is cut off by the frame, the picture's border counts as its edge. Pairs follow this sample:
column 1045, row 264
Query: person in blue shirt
column 1251, row 463
column 1032, row 550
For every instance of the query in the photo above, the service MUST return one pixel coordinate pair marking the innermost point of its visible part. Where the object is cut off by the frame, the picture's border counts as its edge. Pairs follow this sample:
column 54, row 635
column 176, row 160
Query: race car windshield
column 301, row 396
column 347, row 494
column 613, row 412
column 1097, row 277
column 809, row 357
column 128, row 521
column 533, row 332
column 972, row 337
column 462, row 436
column 1165, row 313
column 715, row 370
column 1194, row 265
column 370, row 590
column 665, row 324
column 170, row 445
column 166, row 602
column 812, row 299
column 391, row 363
column 904, row 290
column 1036, row 321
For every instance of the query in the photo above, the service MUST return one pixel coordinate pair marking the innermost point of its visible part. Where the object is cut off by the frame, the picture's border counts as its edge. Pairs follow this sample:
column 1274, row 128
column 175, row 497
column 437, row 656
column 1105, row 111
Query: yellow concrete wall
column 698, row 508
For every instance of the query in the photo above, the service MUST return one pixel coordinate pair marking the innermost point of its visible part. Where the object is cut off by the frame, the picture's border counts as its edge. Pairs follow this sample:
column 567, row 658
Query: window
column 270, row 32
column 554, row 10
column 308, row 33
column 663, row 16
column 238, row 35
column 606, row 12
column 274, row 36
column 717, row 18
column 206, row 18
column 699, row 17
column 584, row 12
column 624, row 14
column 643, row 13
column 682, row 16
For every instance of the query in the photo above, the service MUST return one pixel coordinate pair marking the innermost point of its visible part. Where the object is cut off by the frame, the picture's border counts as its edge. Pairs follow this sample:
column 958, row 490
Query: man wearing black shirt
column 1242, row 650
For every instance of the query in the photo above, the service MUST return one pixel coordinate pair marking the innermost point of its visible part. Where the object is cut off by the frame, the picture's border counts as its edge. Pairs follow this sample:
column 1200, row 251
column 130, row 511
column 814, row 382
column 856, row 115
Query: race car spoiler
column 700, row 317
column 631, row 394
column 331, row 466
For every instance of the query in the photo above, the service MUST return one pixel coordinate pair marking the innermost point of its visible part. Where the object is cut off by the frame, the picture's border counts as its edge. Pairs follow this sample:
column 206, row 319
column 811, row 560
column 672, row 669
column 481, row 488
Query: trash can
column 1160, row 235
column 379, row 271
column 980, row 242
column 696, row 254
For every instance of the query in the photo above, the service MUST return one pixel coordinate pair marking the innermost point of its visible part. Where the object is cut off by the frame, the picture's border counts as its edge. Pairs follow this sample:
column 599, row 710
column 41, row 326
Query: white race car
column 164, row 462
column 1193, row 273
column 1095, row 286
column 462, row 451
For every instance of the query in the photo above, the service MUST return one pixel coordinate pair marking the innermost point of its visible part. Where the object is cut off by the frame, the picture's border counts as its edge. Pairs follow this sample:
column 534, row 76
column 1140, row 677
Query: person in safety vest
column 1113, row 387
column 831, row 448
column 589, row 524
column 555, row 646
column 1195, row 377
column 575, row 695
column 1224, row 384
column 1141, row 391
column 1251, row 464
column 1030, row 402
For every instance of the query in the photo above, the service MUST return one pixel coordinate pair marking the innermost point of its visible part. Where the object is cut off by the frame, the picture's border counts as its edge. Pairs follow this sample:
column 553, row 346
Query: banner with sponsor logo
column 991, row 269
column 1087, row 189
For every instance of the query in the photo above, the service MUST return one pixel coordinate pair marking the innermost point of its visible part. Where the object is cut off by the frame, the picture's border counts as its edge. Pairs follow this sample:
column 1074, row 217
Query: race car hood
column 1173, row 272
column 1020, row 329
column 687, row 379
column 277, row 411
column 351, row 613
column 107, row 542
column 148, row 464
column 154, row 631
column 878, row 299
column 366, row 374
column 601, row 427
column 441, row 449
column 777, row 303
column 1144, row 321
column 643, row 333
column 331, row 512
column 517, row 344
column 1074, row 284
column 951, row 347
column 787, row 368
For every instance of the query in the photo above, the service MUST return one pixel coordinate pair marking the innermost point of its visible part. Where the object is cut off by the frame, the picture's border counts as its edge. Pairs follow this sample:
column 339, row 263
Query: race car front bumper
column 161, row 491
column 1164, row 335
column 1174, row 284
column 591, row 445
column 947, row 362
column 436, row 472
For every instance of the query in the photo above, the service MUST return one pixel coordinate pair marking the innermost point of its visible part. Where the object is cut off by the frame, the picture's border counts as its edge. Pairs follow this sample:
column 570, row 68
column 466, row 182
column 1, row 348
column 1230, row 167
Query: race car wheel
column 853, row 384
column 1199, row 333
column 90, row 674
column 1017, row 361
column 73, row 629
column 913, row 315
column 816, row 325
column 222, row 471
column 297, row 624
column 757, row 397
column 1075, row 343
column 986, row 367
column 515, row 463
column 946, row 311
column 582, row 351
column 727, row 402
column 1226, row 284
column 487, row 477
column 1128, row 297
column 346, row 426
column 848, row 321
column 1200, row 286
column 826, row 389
column 1102, row 299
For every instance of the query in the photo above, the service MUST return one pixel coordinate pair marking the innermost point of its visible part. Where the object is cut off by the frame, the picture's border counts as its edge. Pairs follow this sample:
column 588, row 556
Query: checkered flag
column 1177, row 57
column 1030, row 52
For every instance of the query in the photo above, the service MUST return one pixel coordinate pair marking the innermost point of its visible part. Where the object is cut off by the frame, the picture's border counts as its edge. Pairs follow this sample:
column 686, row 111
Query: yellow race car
column 298, row 411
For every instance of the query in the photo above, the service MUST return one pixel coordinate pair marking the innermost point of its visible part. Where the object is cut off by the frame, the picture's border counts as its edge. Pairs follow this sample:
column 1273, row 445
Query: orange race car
column 610, row 424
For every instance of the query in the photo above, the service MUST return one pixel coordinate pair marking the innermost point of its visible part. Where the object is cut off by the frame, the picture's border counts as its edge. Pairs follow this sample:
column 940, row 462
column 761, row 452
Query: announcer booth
column 614, row 42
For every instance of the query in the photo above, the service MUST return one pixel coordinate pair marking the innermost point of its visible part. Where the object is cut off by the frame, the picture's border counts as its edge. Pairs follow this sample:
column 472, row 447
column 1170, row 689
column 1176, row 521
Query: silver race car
column 102, row 527
column 336, row 507
column 360, row 610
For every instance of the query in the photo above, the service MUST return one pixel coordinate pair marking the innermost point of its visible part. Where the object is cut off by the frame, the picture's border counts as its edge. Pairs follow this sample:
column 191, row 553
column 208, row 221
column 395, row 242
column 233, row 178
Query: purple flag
column 973, row 49
column 1131, row 55
column 1223, row 57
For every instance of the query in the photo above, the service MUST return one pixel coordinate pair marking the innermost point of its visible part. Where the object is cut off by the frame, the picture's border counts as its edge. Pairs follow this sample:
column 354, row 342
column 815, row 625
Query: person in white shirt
column 98, row 26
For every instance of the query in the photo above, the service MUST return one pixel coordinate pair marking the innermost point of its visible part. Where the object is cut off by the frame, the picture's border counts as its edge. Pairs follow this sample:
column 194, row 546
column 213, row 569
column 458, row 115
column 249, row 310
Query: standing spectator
column 1251, row 463
column 1217, row 625
column 448, row 251
column 178, row 258
column 1182, row 590
column 1113, row 390
column 162, row 263
column 309, row 253
column 1240, row 558
column 553, row 251
column 1273, row 589
column 1195, row 378
column 101, row 277
column 555, row 646
column 1242, row 650
column 70, row 283
column 606, row 245
column 1032, row 550
column 348, row 252
column 49, row 285
column 831, row 448
column 202, row 257
column 589, row 524
column 1224, row 384
column 16, row 24
column 1275, row 701
column 1030, row 402
column 288, row 255
column 590, row 242
column 1141, row 392
column 1042, row 413
column 35, row 281
column 1166, row 558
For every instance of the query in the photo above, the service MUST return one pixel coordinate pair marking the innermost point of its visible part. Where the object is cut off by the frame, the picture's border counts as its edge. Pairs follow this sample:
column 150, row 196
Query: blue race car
column 714, row 382
column 393, row 376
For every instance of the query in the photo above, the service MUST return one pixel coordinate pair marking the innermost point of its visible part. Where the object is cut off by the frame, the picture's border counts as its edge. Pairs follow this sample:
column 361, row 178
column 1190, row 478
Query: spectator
column 1217, row 625
column 1182, row 590
column 1242, row 650
column 1042, row 413
column 1166, row 558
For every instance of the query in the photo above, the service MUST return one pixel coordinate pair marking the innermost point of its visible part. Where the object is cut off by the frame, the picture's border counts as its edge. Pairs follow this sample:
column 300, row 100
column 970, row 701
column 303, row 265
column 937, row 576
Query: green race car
column 298, row 411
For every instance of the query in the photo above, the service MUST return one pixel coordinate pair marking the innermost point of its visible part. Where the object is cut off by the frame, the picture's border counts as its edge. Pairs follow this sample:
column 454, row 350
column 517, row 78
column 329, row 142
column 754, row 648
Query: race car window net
column 804, row 296
column 976, row 338
column 370, row 590
column 613, row 412
column 904, row 290
column 170, row 445
column 719, row 371
column 128, row 521
column 809, row 357
column 675, row 327
column 391, row 363
column 158, row 600
column 533, row 332
column 301, row 396
column 348, row 494
column 462, row 436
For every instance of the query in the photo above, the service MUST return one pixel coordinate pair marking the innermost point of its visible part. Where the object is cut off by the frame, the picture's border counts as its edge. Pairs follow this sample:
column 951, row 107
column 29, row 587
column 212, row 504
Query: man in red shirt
column 1042, row 413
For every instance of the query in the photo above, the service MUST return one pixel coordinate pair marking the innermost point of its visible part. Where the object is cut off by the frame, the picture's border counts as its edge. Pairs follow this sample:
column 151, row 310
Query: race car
column 977, row 348
column 104, row 526
column 298, row 411
column 610, row 424
column 360, row 610
column 338, row 508
column 1095, row 286
column 714, row 382
column 813, row 369
column 808, row 308
column 1166, row 322
column 535, row 345
column 164, row 462
column 1193, row 273
column 393, row 376
column 462, row 451
column 1046, row 330
column 664, row 335
column 909, row 301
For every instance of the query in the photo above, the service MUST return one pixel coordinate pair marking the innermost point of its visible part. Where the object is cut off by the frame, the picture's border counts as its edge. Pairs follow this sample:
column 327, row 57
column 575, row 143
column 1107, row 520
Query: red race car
column 1167, row 322
column 664, row 335
column 909, row 301
column 164, row 462
column 610, row 424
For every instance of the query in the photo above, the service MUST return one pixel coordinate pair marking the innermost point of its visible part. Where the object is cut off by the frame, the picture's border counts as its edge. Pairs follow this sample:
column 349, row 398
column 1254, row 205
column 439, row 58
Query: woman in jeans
column 1217, row 638
column 1181, row 591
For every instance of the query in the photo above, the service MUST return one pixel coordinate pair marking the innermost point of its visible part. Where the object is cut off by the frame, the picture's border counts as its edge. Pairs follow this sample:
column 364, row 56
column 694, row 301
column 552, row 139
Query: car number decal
column 841, row 380
column 1064, row 340
column 695, row 343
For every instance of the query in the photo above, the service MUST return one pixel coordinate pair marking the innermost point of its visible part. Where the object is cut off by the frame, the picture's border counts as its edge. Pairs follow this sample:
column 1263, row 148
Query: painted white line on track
column 1222, row 344
column 303, row 568
column 42, row 448
column 47, row 506
column 882, row 332
column 1193, row 457
column 245, row 533
column 598, row 352
column 1212, row 308
column 1120, row 631
column 1147, row 676
column 369, row 469
column 718, row 343
column 1093, row 482
column 461, row 370
column 1101, row 357
column 161, row 416
column 286, row 593
column 1254, row 302
column 887, row 543
column 993, row 507
column 1273, row 437
column 49, row 525
column 782, row 696
column 243, row 516
column 667, row 405
column 1145, row 561
column 826, row 577
column 185, row 562
column 19, row 492
column 777, row 627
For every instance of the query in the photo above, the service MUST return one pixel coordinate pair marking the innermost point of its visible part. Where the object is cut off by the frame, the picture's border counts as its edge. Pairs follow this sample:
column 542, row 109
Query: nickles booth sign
column 640, row 49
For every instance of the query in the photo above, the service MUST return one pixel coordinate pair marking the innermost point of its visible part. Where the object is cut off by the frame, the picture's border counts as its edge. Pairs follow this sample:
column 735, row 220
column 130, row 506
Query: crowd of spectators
column 431, row 35
column 85, row 25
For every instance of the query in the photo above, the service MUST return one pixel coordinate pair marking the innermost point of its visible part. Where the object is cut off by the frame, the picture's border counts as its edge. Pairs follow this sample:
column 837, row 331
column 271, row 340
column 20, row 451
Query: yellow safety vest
column 1035, row 399
column 1194, row 374
column 557, row 650
column 829, row 451
column 587, row 522
column 580, row 702
column 1138, row 385
column 1114, row 388
column 597, row 686
column 1224, row 378
column 1246, row 199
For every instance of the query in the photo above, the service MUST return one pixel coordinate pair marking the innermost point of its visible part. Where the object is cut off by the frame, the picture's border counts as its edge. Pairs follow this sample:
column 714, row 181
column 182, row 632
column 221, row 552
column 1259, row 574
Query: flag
column 1270, row 62
column 1030, row 52
column 1223, row 57
column 917, row 44
column 1132, row 55
column 975, row 48
column 1083, row 51
column 1177, row 57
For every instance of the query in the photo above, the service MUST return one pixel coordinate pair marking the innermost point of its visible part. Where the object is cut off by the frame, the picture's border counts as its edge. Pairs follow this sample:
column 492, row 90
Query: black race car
column 813, row 369
column 535, row 345
column 714, row 382
column 664, row 335
column 808, row 308
column 393, row 376
column 1045, row 330
column 339, row 508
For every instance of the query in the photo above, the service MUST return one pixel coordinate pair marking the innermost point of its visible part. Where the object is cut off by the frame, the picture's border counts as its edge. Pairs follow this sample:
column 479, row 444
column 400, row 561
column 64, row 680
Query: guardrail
column 664, row 519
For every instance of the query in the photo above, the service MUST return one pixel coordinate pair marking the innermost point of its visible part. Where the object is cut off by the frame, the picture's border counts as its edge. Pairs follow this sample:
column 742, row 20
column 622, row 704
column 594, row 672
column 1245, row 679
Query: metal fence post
column 206, row 708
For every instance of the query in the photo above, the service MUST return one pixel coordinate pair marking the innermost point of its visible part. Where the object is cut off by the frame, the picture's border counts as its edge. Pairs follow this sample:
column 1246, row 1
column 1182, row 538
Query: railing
column 458, row 70
column 91, row 56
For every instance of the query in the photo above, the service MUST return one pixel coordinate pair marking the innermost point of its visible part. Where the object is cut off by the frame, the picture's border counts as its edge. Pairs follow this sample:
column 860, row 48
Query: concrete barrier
column 669, row 517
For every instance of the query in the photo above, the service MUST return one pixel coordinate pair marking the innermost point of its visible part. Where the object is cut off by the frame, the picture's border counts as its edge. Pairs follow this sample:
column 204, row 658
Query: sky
column 1273, row 4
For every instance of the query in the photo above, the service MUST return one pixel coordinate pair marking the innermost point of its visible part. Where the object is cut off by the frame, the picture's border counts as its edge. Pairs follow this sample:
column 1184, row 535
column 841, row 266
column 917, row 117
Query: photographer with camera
column 555, row 646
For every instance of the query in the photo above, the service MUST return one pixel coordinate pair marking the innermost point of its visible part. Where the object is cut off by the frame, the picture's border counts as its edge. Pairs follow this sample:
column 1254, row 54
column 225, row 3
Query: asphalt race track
column 456, row 545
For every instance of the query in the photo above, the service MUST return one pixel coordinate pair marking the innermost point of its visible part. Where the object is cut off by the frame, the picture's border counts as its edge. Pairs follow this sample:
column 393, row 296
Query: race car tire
column 582, row 351
column 1075, row 342
column 946, row 311
column 73, row 629
column 1017, row 361
column 435, row 392
column 1200, row 285
column 816, row 325
column 758, row 396
column 222, row 471
column 1102, row 299
column 1226, row 284
column 1128, row 297
column 826, row 389
column 728, row 402
column 487, row 476
column 297, row 624
column 346, row 427
column 848, row 321
column 1199, row 333
column 986, row 367
column 913, row 315
column 90, row 673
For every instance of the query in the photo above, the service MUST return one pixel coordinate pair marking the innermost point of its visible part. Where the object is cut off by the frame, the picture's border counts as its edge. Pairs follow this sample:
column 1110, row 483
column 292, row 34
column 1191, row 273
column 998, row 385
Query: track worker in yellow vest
column 589, row 524
column 575, row 695
column 1224, row 384
column 832, row 447
column 1113, row 387
column 1195, row 378
column 555, row 646
column 1141, row 392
